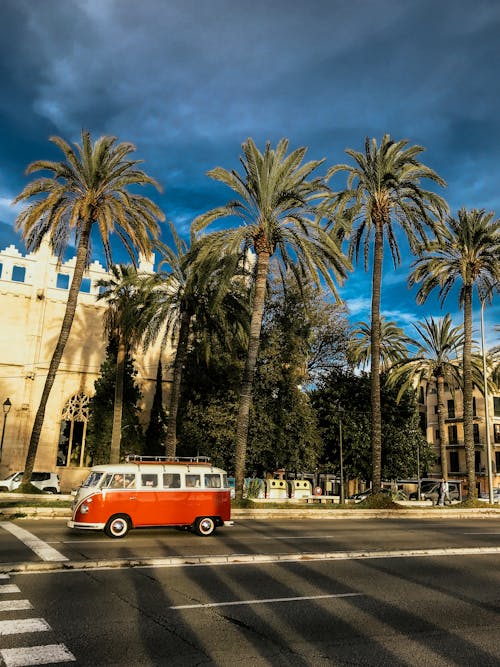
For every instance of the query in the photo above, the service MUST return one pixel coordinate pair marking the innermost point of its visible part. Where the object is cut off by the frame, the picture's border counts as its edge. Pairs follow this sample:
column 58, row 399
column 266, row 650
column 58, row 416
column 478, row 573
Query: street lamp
column 340, row 410
column 6, row 409
column 486, row 407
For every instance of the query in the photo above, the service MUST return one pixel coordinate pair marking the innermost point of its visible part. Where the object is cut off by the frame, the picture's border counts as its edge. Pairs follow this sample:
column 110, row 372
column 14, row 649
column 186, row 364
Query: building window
column 19, row 274
column 477, row 461
column 451, row 409
column 497, row 461
column 474, row 406
column 421, row 396
column 496, row 406
column 62, row 281
column 437, row 437
column 452, row 435
column 496, row 433
column 71, row 449
column 1, row 269
column 85, row 286
column 454, row 466
column 476, row 433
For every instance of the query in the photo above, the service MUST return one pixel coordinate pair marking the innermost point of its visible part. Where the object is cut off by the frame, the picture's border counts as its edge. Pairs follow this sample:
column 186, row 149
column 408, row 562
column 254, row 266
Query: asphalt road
column 422, row 610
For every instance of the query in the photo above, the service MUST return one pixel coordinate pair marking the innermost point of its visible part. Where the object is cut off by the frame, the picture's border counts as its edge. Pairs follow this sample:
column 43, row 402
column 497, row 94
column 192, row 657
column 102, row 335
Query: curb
column 309, row 513
column 235, row 559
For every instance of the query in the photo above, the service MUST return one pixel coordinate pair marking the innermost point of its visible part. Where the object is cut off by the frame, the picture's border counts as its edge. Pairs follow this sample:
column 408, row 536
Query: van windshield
column 93, row 479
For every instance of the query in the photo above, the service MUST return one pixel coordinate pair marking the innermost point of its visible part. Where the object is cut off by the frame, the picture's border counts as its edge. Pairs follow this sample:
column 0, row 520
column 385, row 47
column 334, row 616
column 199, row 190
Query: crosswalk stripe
column 23, row 625
column 9, row 588
column 36, row 655
column 40, row 547
column 15, row 605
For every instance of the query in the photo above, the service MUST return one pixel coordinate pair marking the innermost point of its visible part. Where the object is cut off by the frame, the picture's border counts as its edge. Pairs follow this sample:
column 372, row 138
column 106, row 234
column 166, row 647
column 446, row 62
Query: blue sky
column 188, row 81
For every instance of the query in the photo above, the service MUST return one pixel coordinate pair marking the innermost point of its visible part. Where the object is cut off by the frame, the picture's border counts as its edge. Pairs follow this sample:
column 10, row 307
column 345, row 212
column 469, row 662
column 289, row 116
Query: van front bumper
column 85, row 526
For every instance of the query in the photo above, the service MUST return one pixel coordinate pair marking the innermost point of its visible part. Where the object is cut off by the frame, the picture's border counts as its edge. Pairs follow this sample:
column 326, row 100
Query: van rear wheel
column 118, row 526
column 204, row 526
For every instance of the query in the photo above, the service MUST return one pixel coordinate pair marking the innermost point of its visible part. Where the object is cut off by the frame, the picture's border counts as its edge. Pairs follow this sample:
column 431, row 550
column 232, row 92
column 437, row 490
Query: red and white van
column 146, row 491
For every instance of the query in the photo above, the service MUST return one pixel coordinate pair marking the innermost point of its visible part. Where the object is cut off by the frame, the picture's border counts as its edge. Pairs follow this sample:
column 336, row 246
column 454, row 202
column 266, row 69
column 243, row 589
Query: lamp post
column 486, row 407
column 340, row 410
column 419, row 483
column 6, row 409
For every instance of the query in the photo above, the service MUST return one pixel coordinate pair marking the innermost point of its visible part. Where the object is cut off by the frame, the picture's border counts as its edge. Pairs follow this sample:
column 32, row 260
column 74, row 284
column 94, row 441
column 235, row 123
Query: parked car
column 363, row 495
column 46, row 481
column 485, row 496
column 432, row 492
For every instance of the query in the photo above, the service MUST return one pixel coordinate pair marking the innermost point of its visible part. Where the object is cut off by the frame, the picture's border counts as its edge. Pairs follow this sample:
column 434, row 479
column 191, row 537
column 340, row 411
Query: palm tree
column 90, row 187
column 466, row 254
column 121, row 322
column 275, row 201
column 179, row 302
column 383, row 188
column 393, row 344
column 435, row 360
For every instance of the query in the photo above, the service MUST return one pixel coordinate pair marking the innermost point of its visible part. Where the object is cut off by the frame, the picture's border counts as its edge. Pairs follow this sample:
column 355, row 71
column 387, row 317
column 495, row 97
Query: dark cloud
column 189, row 81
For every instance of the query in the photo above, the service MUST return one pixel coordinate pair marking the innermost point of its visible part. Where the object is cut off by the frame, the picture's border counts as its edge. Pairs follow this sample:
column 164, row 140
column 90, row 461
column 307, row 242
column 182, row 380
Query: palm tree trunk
column 175, row 390
column 376, row 413
column 249, row 372
column 69, row 314
column 116, row 435
column 468, row 408
column 443, row 439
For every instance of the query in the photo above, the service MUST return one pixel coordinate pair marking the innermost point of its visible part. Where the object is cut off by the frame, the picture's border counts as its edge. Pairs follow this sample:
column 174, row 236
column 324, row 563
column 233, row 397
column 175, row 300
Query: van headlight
column 84, row 508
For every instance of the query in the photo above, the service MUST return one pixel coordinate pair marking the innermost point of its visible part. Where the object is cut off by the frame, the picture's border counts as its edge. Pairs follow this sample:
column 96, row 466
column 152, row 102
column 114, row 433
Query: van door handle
column 132, row 497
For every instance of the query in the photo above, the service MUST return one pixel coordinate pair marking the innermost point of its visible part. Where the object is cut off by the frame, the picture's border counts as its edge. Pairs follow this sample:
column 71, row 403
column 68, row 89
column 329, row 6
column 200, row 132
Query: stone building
column 33, row 294
column 453, row 404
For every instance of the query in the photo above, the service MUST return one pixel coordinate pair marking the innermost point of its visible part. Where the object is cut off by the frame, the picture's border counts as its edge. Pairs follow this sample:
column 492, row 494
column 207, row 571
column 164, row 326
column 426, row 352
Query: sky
column 188, row 81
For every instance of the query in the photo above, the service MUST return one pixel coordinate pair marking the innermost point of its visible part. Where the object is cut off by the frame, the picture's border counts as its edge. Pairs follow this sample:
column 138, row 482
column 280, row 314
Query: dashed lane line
column 36, row 655
column 237, row 603
column 41, row 548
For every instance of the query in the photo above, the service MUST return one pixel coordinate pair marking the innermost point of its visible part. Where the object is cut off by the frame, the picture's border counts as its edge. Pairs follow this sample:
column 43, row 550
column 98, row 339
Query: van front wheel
column 118, row 526
column 204, row 526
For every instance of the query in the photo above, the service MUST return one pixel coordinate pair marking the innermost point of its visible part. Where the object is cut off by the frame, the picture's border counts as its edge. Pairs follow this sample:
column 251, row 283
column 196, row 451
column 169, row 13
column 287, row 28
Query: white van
column 45, row 481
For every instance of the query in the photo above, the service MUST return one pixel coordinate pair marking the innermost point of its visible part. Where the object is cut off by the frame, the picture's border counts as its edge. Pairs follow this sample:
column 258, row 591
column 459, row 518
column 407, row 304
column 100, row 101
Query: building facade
column 455, row 450
column 33, row 295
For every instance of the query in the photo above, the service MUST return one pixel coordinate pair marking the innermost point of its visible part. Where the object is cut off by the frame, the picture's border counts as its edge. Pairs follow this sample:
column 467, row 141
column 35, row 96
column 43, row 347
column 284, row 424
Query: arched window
column 71, row 449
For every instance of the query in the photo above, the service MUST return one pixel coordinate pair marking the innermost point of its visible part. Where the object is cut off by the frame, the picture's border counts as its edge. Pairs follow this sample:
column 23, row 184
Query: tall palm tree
column 383, row 189
column 393, row 344
column 466, row 255
column 275, row 202
column 88, row 188
column 121, row 322
column 435, row 360
column 179, row 302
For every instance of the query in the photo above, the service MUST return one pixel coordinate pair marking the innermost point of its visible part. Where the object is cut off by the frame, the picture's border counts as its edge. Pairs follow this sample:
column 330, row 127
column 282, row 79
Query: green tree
column 383, row 190
column 90, row 187
column 120, row 321
column 345, row 397
column 393, row 344
column 435, row 361
column 156, row 431
column 101, row 409
column 180, row 303
column 275, row 201
column 466, row 255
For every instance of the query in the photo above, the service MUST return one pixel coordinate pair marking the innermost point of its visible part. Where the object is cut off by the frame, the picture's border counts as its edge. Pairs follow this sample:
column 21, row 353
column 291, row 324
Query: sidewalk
column 409, row 510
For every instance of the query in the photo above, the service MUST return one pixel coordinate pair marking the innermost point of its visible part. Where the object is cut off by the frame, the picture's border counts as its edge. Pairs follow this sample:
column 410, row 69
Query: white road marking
column 23, row 625
column 41, row 548
column 15, row 605
column 9, row 588
column 36, row 655
column 264, row 601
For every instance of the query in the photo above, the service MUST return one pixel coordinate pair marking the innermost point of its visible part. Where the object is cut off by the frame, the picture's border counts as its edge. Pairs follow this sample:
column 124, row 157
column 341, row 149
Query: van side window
column 108, row 479
column 130, row 481
column 171, row 480
column 212, row 481
column 149, row 481
column 192, row 481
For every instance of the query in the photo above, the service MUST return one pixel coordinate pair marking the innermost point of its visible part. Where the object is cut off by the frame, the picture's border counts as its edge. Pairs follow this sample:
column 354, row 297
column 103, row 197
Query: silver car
column 45, row 481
